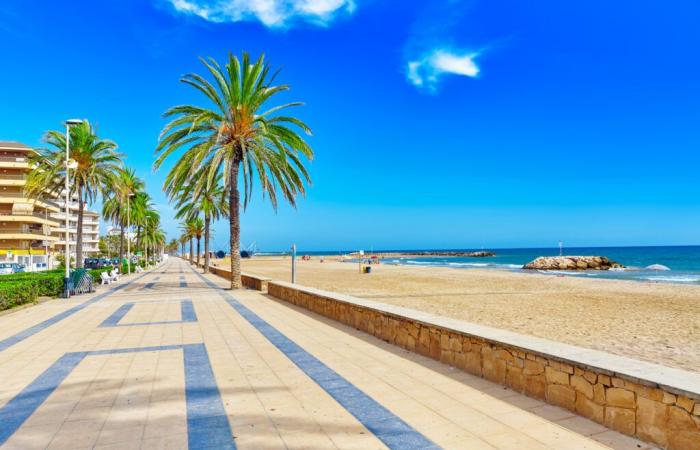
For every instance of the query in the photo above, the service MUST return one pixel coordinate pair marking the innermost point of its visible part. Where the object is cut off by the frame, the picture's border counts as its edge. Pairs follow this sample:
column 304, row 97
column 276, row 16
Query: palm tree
column 188, row 233
column 126, row 186
column 140, row 206
column 235, row 133
column 97, row 163
column 172, row 246
column 202, row 195
column 183, row 243
column 152, row 236
column 196, row 228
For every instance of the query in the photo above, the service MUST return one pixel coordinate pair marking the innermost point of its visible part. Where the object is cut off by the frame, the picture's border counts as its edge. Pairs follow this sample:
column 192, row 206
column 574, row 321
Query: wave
column 454, row 264
column 674, row 278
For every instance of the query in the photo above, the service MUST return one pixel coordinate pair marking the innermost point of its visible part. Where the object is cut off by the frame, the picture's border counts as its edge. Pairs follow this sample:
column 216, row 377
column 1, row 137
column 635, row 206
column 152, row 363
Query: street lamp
column 66, row 280
column 128, row 239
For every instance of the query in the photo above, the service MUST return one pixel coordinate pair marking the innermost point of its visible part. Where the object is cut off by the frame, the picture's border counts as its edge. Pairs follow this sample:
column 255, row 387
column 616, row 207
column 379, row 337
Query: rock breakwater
column 572, row 263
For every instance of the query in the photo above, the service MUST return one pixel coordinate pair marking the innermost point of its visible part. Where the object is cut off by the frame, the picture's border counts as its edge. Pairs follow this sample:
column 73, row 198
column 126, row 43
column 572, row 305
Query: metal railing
column 21, row 159
column 12, row 176
column 20, row 230
column 23, row 195
column 22, row 213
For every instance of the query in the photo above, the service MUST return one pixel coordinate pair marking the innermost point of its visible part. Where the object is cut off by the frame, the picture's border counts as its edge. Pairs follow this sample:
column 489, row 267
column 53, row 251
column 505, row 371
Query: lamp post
column 128, row 239
column 66, row 279
column 294, row 263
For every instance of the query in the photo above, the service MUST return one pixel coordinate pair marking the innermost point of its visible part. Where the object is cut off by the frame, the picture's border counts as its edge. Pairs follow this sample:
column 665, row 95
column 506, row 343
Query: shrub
column 15, row 293
column 48, row 284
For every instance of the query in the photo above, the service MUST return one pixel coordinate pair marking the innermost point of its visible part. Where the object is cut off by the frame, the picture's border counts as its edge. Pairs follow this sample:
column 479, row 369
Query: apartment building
column 25, row 223
column 91, row 229
column 32, row 231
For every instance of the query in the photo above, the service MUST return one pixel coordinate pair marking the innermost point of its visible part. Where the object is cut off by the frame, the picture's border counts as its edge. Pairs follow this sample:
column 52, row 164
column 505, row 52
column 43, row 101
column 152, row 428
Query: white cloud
column 272, row 13
column 427, row 71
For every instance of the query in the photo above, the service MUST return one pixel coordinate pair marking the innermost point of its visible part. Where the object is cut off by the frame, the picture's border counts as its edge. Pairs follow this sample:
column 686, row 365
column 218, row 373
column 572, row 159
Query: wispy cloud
column 439, row 45
column 427, row 71
column 271, row 13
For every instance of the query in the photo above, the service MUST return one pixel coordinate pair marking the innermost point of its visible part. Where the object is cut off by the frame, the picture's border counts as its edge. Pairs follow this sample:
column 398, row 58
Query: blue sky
column 436, row 124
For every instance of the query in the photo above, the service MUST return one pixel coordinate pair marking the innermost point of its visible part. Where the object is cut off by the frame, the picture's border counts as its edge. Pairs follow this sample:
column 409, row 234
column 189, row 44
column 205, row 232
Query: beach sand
column 659, row 323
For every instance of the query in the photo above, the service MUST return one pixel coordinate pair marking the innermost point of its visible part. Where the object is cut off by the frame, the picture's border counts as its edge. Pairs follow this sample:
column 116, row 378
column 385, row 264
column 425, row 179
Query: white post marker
column 294, row 263
column 360, row 254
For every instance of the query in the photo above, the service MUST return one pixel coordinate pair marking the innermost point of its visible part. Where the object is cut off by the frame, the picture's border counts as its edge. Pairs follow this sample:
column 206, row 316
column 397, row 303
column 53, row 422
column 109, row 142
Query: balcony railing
column 12, row 176
column 35, row 214
column 22, row 230
column 22, row 195
column 14, row 159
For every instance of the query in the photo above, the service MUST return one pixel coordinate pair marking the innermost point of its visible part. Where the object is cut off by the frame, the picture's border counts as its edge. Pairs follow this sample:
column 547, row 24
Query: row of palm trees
column 96, row 172
column 227, row 145
column 129, row 205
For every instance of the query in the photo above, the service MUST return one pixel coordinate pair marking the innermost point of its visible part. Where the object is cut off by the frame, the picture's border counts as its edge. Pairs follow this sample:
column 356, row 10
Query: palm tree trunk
column 235, row 226
column 199, row 240
column 79, row 238
column 191, row 252
column 207, row 222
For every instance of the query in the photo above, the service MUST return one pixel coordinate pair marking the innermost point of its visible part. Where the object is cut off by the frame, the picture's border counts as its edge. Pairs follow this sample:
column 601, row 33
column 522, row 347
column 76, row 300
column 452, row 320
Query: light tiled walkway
column 189, row 364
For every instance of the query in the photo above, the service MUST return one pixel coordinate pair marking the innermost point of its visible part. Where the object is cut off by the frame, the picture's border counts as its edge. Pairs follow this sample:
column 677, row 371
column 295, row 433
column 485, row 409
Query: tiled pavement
column 166, row 359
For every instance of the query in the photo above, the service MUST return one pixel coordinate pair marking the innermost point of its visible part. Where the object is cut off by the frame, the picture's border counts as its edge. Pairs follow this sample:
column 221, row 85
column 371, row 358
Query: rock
column 479, row 254
column 620, row 397
column 572, row 263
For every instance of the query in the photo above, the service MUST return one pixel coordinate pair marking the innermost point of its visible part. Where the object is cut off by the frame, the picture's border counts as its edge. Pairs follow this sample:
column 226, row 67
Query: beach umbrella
column 657, row 267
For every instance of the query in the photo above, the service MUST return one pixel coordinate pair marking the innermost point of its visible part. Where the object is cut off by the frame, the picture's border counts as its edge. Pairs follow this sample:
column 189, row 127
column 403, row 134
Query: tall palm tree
column 196, row 229
column 126, row 186
column 183, row 243
column 140, row 206
column 172, row 246
column 97, row 163
column 235, row 134
column 200, row 195
column 188, row 233
column 152, row 236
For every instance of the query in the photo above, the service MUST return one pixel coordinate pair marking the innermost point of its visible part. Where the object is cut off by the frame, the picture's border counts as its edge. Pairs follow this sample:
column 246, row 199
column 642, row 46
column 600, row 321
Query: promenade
column 168, row 359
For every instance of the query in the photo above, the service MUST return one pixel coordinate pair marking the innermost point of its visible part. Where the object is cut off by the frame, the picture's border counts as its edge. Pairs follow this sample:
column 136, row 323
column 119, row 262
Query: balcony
column 14, row 162
column 24, row 233
column 12, row 179
column 26, row 217
column 18, row 197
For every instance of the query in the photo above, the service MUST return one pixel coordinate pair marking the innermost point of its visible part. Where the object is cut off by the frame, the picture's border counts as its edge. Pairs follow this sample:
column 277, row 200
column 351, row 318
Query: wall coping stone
column 246, row 274
column 255, row 277
column 673, row 380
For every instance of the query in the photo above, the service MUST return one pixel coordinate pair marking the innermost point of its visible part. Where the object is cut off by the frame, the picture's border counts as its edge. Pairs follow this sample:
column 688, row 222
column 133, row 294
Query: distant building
column 25, row 223
column 91, row 228
column 116, row 231
column 32, row 231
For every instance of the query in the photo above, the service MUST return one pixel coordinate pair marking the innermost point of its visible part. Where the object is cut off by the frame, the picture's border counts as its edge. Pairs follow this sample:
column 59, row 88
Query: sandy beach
column 655, row 322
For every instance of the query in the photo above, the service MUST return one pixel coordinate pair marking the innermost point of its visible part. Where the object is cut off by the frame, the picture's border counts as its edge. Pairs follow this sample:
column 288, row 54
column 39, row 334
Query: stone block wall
column 664, row 416
column 250, row 281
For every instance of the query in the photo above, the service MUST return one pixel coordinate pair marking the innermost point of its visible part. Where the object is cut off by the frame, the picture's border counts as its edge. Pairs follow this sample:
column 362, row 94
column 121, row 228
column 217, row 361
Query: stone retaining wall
column 657, row 404
column 250, row 281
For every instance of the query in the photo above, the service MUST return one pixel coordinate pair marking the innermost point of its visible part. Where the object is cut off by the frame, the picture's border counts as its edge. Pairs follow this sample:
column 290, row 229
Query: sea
column 683, row 261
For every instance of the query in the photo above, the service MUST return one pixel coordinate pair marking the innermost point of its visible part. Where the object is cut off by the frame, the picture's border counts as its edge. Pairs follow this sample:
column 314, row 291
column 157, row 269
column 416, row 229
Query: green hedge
column 20, row 288
column 15, row 293
column 48, row 284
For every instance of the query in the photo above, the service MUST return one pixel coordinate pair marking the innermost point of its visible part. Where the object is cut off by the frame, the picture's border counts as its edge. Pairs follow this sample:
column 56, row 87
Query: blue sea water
column 684, row 262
